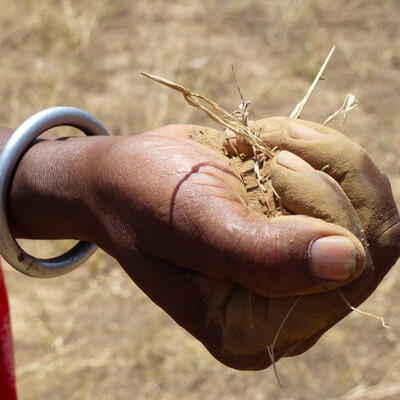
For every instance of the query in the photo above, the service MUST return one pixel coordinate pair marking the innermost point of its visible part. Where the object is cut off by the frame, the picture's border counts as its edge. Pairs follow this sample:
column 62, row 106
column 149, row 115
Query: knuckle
column 389, row 233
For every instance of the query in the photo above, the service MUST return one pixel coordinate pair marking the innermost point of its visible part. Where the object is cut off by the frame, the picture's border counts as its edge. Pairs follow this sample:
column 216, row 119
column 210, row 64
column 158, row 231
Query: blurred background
column 92, row 334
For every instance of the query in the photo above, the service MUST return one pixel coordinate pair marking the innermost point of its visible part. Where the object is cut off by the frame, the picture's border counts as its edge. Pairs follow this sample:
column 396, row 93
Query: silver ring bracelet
column 10, row 156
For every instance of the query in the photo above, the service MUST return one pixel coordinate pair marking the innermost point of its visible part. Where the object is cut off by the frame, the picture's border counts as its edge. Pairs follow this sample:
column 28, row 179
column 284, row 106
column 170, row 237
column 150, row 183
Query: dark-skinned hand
column 173, row 213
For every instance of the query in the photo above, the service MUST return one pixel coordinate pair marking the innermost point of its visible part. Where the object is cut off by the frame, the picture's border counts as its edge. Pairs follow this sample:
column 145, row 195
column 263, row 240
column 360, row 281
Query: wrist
column 51, row 190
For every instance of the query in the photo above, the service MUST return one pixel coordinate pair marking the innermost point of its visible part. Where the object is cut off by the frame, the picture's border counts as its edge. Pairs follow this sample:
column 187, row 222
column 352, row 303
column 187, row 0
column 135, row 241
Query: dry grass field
column 93, row 334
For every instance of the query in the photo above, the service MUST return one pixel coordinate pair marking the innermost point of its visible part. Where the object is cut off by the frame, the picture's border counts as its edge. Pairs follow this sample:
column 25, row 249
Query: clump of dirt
column 261, row 201
column 254, row 170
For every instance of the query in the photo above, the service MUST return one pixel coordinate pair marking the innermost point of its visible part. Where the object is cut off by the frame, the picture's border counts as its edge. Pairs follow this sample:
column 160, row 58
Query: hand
column 175, row 218
column 173, row 213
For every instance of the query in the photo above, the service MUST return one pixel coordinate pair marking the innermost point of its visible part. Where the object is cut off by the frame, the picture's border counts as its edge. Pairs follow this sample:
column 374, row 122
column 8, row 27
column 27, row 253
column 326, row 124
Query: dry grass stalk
column 299, row 108
column 50, row 358
column 350, row 103
column 237, row 121
column 217, row 114
column 270, row 347
column 242, row 114
column 364, row 312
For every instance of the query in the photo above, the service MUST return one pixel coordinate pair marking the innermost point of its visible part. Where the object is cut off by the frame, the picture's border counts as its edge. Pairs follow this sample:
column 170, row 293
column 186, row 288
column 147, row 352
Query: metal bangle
column 10, row 157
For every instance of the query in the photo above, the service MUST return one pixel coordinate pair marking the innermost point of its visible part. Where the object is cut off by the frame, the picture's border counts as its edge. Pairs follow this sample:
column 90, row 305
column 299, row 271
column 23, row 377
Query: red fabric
column 7, row 374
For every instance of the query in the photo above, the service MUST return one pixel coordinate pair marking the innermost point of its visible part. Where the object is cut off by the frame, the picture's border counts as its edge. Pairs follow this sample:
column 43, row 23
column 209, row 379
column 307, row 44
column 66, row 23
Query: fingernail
column 299, row 131
column 293, row 162
column 333, row 258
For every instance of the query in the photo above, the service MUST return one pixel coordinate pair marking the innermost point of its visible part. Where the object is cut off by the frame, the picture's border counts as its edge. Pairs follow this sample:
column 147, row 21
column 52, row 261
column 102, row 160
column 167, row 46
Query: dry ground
column 92, row 334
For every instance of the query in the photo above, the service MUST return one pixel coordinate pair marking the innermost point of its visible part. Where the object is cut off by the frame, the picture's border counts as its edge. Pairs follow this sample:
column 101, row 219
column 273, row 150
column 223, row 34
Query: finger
column 364, row 184
column 306, row 191
column 285, row 256
column 195, row 301
column 269, row 129
column 218, row 313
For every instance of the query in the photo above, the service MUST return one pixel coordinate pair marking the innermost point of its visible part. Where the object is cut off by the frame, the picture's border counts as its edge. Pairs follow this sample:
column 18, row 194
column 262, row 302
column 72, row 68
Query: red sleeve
column 7, row 370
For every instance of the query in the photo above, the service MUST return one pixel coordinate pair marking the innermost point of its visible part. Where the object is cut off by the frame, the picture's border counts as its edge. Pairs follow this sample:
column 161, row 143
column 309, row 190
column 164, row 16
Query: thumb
column 285, row 256
column 293, row 255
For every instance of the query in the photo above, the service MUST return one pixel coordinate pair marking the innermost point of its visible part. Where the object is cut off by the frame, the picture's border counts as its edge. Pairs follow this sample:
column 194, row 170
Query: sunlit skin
column 173, row 213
